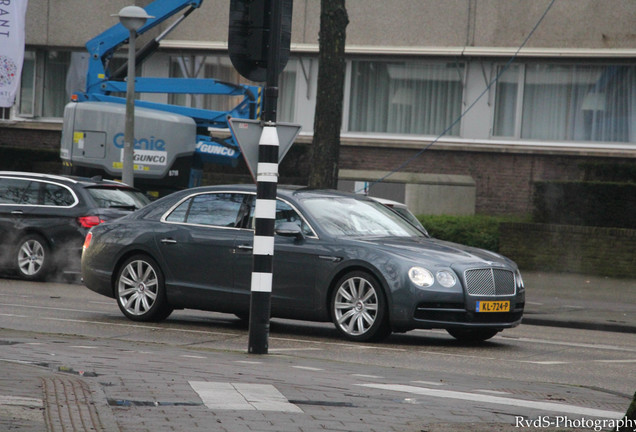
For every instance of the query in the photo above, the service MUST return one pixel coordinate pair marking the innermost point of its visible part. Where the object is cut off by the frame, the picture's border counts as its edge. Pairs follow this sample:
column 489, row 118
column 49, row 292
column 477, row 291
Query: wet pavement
column 234, row 391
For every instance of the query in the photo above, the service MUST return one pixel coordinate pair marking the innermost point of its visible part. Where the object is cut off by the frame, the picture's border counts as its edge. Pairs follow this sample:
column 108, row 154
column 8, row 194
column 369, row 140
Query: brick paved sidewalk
column 136, row 387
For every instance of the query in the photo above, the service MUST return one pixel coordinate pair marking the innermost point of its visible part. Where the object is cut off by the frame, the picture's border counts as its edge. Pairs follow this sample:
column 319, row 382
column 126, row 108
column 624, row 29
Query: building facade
column 503, row 92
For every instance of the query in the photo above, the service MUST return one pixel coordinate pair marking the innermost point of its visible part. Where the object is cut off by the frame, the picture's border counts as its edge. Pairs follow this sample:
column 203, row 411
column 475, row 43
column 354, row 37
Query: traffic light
column 251, row 25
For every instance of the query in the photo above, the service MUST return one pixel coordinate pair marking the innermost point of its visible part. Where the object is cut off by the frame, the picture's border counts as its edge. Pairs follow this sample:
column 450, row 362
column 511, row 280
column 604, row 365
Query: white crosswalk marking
column 498, row 400
column 242, row 396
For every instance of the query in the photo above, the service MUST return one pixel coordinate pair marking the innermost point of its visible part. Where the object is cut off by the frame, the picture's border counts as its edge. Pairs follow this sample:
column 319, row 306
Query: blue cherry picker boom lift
column 172, row 142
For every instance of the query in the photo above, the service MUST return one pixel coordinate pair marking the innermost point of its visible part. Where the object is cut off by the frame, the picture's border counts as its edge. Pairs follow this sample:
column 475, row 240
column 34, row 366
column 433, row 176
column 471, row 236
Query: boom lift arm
column 101, row 82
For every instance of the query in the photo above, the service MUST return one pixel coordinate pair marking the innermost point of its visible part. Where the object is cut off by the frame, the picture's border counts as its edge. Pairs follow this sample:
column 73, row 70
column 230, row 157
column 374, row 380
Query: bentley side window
column 180, row 213
column 216, row 209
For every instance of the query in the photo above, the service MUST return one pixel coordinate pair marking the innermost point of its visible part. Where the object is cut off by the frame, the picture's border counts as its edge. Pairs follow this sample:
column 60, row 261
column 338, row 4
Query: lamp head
column 132, row 17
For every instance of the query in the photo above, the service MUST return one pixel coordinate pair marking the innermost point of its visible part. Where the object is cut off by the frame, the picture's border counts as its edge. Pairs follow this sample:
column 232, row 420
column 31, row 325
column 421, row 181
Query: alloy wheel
column 137, row 287
column 31, row 256
column 356, row 306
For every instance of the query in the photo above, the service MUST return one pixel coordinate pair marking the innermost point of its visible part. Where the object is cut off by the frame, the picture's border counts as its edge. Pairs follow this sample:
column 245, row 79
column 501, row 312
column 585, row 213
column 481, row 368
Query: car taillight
column 87, row 241
column 89, row 221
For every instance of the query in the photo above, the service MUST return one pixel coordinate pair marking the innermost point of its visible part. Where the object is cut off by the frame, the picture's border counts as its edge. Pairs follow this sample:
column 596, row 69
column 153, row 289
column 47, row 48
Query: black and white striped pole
column 265, row 209
column 263, row 252
column 259, row 36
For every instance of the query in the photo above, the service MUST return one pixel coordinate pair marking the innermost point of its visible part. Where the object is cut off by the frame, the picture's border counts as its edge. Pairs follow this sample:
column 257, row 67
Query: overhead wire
column 463, row 114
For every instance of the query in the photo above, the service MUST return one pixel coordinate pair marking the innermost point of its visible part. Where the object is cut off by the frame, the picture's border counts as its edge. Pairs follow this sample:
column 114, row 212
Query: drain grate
column 68, row 402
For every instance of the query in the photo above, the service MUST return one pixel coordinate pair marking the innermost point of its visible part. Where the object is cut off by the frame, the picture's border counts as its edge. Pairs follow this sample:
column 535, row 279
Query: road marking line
column 242, row 396
column 307, row 368
column 492, row 391
column 248, row 362
column 146, row 327
column 274, row 350
column 458, row 355
column 367, row 376
column 338, row 344
column 481, row 398
column 49, row 308
column 616, row 361
column 21, row 401
column 546, row 362
column 192, row 356
column 571, row 344
column 428, row 383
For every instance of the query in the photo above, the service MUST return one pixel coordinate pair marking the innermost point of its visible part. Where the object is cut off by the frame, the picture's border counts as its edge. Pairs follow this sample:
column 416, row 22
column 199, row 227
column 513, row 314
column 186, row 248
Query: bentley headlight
column 519, row 281
column 421, row 277
column 446, row 278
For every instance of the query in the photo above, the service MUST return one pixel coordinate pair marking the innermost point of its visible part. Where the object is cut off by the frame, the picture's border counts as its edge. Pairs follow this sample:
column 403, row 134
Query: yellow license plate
column 493, row 306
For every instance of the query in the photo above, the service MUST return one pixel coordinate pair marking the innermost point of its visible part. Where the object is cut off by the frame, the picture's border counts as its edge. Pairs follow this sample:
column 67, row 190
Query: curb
column 582, row 325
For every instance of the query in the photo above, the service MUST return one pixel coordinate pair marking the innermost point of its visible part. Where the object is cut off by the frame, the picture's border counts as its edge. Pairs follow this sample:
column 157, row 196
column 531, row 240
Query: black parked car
column 44, row 219
column 338, row 257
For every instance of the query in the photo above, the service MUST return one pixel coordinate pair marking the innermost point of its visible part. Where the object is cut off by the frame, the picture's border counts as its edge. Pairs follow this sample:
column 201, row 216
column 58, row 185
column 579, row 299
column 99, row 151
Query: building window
column 405, row 97
column 54, row 99
column 560, row 102
column 43, row 84
column 506, row 100
column 287, row 94
column 27, row 86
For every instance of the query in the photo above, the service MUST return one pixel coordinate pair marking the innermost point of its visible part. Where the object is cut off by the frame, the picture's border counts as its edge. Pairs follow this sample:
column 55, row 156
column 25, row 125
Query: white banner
column 12, row 17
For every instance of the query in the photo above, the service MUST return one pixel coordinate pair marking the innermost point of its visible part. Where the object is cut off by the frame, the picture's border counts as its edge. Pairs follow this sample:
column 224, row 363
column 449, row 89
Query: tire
column 472, row 335
column 140, row 290
column 33, row 258
column 358, row 308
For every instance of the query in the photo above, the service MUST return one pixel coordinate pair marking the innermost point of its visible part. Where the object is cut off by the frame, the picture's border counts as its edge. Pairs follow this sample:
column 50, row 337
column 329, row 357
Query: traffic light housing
column 250, row 29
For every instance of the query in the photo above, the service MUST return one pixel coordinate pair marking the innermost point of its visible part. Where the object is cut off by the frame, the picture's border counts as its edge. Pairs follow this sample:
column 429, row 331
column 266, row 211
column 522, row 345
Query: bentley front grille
column 490, row 282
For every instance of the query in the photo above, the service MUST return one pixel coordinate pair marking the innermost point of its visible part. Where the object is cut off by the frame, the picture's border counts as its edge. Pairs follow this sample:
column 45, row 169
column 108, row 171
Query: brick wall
column 503, row 180
column 33, row 139
column 570, row 248
column 30, row 150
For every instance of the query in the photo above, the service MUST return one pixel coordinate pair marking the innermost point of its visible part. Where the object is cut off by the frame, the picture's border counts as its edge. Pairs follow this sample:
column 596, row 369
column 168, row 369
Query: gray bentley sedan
column 338, row 257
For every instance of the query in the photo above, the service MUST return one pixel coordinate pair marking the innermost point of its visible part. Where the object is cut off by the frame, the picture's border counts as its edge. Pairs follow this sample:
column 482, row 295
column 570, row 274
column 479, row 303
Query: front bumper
column 457, row 306
column 440, row 315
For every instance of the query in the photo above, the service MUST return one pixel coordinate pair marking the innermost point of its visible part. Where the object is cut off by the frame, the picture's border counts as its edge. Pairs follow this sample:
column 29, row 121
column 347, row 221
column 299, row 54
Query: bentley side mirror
column 290, row 229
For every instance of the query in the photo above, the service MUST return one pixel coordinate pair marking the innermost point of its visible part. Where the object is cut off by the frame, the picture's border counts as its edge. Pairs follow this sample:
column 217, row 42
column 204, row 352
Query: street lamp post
column 133, row 18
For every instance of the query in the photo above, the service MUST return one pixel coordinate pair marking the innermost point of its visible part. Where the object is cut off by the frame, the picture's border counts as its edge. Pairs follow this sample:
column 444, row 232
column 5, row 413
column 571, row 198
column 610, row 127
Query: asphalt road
column 67, row 326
